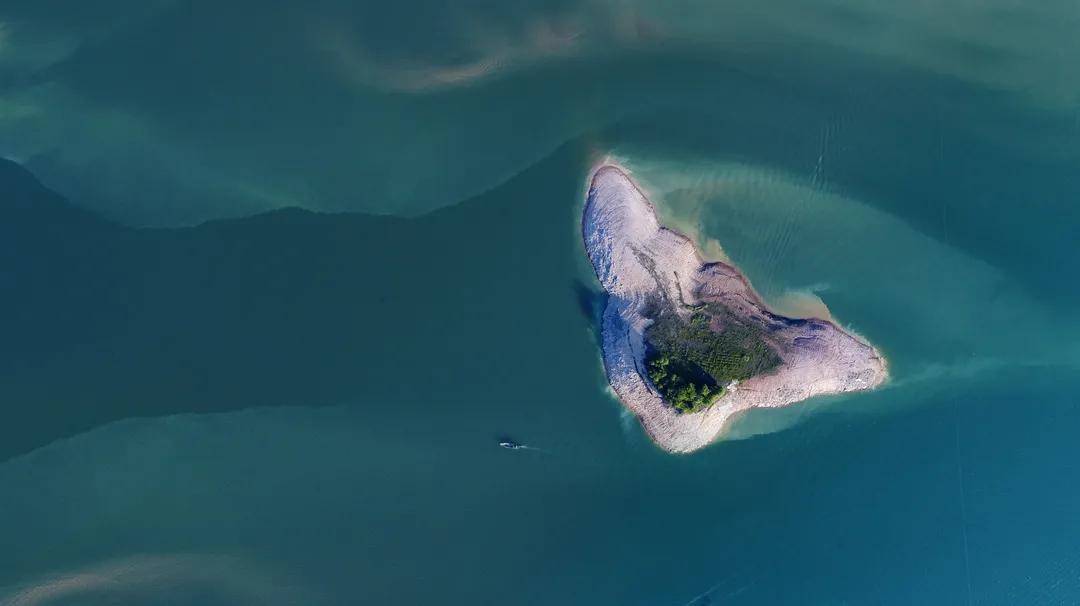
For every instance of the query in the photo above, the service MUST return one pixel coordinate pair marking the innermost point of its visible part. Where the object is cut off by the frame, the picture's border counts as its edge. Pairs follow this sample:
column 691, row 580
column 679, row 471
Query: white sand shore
column 636, row 258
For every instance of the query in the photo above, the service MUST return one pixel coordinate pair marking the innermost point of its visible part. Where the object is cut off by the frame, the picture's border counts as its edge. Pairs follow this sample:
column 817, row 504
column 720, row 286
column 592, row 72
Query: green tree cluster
column 689, row 362
column 680, row 385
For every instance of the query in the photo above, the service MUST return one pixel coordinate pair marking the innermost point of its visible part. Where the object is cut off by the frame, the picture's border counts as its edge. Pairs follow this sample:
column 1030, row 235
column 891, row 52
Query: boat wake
column 512, row 445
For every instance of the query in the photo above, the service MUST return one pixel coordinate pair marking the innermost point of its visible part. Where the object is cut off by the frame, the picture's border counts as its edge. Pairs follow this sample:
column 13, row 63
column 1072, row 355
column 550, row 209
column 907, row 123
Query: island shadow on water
column 283, row 308
column 591, row 305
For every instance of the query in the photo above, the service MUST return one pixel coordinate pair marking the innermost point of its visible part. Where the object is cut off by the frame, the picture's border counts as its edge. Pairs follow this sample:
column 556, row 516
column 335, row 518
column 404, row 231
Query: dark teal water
column 301, row 407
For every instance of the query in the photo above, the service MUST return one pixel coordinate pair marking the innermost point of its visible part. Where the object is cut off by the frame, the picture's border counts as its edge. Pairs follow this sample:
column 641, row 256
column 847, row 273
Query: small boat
column 511, row 445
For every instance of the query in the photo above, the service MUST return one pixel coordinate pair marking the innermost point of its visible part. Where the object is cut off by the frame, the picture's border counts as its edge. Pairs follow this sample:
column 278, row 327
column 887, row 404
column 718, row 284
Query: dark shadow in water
column 103, row 322
column 591, row 302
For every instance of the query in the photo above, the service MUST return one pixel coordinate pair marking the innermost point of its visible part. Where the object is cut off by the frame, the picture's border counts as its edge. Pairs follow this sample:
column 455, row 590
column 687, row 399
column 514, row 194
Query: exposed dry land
column 688, row 344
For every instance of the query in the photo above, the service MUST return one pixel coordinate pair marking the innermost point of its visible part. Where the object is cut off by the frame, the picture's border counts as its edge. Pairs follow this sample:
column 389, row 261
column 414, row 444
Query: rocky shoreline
column 637, row 260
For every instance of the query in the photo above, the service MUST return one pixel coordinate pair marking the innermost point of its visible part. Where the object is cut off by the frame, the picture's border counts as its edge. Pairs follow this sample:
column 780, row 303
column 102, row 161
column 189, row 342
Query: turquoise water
column 302, row 407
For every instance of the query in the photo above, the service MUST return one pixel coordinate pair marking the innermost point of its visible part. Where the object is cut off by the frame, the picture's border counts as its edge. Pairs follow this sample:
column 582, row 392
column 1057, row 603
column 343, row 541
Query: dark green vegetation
column 691, row 362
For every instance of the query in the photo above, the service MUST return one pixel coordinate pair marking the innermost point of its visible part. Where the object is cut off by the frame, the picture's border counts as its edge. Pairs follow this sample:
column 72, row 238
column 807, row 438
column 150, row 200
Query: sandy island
column 636, row 260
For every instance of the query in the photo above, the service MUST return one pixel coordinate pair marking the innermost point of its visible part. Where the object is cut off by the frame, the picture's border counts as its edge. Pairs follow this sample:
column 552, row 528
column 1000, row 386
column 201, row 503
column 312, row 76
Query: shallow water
column 304, row 408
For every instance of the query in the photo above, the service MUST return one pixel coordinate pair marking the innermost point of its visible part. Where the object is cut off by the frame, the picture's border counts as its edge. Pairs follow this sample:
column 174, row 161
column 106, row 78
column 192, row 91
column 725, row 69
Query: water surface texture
column 275, row 278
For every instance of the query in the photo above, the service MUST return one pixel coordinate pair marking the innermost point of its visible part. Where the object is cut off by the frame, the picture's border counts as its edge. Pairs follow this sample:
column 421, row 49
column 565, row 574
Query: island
column 689, row 344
